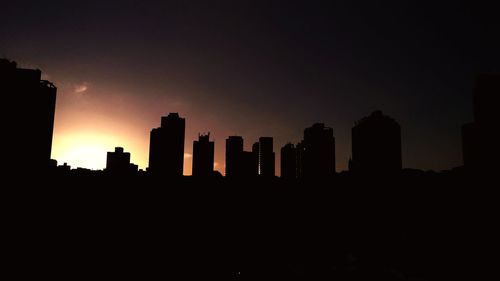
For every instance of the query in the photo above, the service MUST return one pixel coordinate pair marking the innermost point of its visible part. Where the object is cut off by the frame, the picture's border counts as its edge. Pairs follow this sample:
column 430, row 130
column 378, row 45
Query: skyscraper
column 471, row 145
column 239, row 163
column 203, row 156
column 485, row 92
column 319, row 152
column 35, row 98
column 234, row 155
column 266, row 157
column 288, row 162
column 478, row 138
column 255, row 155
column 299, row 148
column 166, row 149
column 249, row 167
column 376, row 145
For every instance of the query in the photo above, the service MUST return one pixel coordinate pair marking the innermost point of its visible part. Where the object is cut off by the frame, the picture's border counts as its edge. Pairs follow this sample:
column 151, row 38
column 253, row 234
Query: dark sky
column 255, row 68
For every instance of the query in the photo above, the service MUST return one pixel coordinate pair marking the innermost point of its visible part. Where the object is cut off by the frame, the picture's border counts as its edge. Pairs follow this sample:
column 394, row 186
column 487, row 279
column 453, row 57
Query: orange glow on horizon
column 92, row 120
column 83, row 150
column 89, row 150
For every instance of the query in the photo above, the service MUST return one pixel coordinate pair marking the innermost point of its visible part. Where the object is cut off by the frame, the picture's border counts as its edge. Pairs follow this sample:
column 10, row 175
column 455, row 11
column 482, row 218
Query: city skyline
column 250, row 139
column 254, row 69
column 110, row 141
column 376, row 140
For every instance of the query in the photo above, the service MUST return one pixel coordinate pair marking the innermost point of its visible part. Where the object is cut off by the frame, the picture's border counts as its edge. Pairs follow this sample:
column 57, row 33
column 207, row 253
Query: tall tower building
column 36, row 98
column 255, row 156
column 266, row 157
column 376, row 145
column 203, row 156
column 234, row 156
column 166, row 149
column 479, row 141
column 288, row 162
column 318, row 159
column 299, row 148
column 240, row 163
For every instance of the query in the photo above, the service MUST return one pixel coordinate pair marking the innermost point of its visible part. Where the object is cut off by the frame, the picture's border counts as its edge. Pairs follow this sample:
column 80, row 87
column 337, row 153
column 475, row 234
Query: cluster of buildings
column 376, row 148
column 376, row 139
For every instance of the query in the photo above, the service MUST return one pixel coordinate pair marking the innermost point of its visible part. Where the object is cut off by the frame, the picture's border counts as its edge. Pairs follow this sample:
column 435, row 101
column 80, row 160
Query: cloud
column 81, row 88
column 188, row 155
column 177, row 103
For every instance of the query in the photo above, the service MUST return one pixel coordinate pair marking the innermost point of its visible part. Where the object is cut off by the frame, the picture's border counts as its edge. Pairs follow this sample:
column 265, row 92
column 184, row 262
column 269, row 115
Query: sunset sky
column 253, row 68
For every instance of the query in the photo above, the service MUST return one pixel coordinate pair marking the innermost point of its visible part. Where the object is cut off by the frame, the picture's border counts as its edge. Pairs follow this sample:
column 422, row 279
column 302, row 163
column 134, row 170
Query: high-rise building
column 119, row 162
column 248, row 163
column 318, row 160
column 288, row 162
column 203, row 156
column 478, row 138
column 234, row 152
column 376, row 145
column 471, row 145
column 35, row 98
column 299, row 148
column 166, row 149
column 255, row 153
column 485, row 92
column 266, row 157
column 239, row 163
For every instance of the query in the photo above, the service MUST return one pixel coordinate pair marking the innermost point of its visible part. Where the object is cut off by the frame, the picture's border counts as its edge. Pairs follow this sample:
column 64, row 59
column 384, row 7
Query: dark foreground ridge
column 415, row 226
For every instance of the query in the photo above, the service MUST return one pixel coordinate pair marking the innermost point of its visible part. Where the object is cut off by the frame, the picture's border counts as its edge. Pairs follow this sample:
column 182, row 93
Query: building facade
column 166, row 149
column 288, row 163
column 36, row 99
column 318, row 155
column 203, row 156
column 266, row 157
column 376, row 145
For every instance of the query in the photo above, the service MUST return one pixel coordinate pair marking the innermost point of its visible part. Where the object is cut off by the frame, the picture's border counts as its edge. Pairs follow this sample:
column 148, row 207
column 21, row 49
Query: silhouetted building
column 65, row 167
column 52, row 164
column 300, row 159
column 318, row 159
column 166, row 149
column 471, row 145
column 248, row 164
column 288, row 162
column 256, row 151
column 240, row 163
column 478, row 141
column 203, row 156
column 234, row 152
column 485, row 95
column 118, row 162
column 376, row 145
column 266, row 157
column 134, row 168
column 35, row 98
